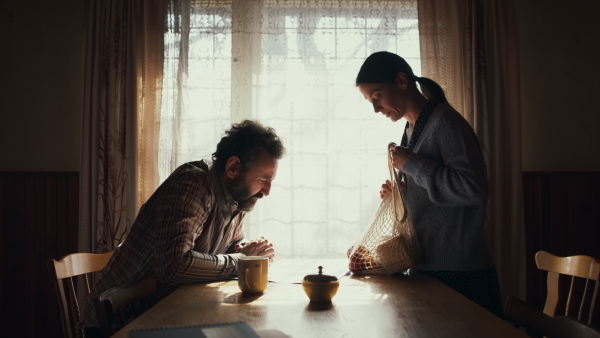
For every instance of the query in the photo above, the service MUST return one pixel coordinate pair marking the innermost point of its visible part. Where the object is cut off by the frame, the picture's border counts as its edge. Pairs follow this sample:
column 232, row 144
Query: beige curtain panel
column 123, row 76
column 471, row 48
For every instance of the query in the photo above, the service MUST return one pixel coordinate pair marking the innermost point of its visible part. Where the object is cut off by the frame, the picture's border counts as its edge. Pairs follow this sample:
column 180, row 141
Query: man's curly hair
column 245, row 140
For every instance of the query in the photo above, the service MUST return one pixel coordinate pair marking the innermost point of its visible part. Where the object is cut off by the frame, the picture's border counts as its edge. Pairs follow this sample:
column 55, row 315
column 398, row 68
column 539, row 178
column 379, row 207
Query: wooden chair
column 117, row 306
column 580, row 270
column 540, row 324
column 63, row 272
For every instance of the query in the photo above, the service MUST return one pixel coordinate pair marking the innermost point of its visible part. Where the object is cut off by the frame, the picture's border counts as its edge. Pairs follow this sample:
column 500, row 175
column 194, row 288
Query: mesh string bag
column 389, row 245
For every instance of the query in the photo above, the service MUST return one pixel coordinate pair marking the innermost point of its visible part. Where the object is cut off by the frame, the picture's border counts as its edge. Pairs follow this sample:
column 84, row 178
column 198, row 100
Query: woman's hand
column 259, row 247
column 386, row 188
column 399, row 155
column 361, row 260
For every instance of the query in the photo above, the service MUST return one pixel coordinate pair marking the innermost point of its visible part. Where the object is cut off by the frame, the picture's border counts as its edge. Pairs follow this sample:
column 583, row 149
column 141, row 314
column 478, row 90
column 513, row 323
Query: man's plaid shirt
column 186, row 232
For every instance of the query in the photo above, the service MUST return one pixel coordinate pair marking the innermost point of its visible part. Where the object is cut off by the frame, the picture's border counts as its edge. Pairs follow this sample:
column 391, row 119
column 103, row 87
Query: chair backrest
column 63, row 273
column 539, row 324
column 580, row 270
column 117, row 306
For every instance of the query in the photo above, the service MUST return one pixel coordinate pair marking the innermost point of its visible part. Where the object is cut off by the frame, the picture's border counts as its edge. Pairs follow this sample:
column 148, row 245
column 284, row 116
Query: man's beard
column 241, row 194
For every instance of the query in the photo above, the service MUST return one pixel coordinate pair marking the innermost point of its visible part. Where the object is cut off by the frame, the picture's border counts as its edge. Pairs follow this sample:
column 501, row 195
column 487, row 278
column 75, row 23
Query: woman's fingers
column 386, row 188
column 399, row 156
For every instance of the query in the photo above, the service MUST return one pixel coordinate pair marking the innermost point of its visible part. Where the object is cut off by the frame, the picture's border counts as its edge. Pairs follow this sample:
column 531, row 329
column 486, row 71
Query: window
column 291, row 65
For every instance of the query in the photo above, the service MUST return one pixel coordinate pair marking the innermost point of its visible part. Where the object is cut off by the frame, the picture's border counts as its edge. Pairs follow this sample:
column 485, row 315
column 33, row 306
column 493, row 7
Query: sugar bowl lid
column 320, row 277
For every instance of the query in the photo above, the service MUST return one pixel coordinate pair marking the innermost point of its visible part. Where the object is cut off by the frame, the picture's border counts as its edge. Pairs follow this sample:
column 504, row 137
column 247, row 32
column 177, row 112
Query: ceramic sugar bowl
column 320, row 287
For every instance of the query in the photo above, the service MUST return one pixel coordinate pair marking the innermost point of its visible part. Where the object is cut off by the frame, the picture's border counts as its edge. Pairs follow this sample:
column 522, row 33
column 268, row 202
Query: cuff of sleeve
column 235, row 257
column 412, row 164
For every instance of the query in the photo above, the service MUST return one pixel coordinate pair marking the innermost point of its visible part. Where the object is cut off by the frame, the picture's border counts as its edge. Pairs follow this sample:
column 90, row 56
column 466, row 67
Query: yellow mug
column 253, row 272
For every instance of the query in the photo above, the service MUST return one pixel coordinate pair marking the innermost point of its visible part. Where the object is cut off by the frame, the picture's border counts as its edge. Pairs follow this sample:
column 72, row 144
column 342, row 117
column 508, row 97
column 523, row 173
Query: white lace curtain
column 292, row 66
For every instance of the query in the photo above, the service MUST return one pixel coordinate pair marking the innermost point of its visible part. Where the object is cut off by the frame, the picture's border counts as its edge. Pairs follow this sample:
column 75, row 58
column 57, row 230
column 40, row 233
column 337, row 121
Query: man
column 190, row 229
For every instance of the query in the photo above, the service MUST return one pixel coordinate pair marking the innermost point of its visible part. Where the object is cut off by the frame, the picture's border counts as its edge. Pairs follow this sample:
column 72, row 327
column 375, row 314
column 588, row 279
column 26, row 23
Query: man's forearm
column 195, row 267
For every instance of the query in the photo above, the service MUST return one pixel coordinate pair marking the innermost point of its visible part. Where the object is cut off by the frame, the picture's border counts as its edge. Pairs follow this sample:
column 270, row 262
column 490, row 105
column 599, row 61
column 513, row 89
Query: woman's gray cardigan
column 446, row 194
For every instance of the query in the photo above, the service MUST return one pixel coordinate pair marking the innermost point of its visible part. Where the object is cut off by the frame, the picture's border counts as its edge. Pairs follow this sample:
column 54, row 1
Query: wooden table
column 365, row 306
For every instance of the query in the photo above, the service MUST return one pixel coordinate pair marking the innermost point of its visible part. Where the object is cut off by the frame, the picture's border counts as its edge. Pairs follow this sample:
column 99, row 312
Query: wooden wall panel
column 8, row 263
column 39, row 215
column 41, row 284
column 2, row 256
column 561, row 215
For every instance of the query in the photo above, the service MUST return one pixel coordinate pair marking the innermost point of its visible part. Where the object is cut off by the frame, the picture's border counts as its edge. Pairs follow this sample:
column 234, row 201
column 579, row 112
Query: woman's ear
column 233, row 167
column 402, row 80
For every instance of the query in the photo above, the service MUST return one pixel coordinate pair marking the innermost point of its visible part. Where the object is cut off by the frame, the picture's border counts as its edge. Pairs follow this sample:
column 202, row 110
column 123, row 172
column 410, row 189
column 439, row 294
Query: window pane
column 298, row 77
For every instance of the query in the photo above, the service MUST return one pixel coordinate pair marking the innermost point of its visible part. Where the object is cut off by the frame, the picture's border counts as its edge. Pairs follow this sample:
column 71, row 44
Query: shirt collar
column 224, row 198
column 419, row 125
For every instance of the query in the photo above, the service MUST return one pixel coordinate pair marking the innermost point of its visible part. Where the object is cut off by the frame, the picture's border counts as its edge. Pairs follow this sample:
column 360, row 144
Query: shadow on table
column 241, row 298
column 314, row 306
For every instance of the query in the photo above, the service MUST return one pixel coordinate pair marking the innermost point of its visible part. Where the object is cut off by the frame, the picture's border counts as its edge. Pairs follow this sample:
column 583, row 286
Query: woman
column 444, row 177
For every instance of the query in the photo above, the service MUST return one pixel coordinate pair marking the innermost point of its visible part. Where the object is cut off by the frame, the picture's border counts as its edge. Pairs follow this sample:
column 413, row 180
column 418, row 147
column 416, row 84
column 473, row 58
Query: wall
column 560, row 132
column 41, row 85
column 41, row 67
column 561, row 216
column 560, row 72
column 39, row 217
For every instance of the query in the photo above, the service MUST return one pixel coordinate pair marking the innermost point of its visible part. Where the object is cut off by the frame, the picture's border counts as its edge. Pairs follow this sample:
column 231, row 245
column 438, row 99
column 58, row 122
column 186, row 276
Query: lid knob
column 320, row 277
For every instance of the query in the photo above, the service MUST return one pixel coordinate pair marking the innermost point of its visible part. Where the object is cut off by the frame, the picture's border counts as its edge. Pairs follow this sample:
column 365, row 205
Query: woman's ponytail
column 432, row 90
column 384, row 66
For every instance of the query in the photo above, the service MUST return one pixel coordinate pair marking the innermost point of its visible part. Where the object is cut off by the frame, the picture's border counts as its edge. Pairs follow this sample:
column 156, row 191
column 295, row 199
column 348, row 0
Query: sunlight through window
column 293, row 68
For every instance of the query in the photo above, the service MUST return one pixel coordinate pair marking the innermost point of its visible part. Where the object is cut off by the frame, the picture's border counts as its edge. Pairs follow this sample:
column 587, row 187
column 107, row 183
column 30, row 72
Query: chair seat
column 110, row 305
column 540, row 324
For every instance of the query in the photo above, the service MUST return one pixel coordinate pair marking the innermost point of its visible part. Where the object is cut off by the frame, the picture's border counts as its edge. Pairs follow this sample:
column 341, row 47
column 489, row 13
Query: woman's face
column 386, row 98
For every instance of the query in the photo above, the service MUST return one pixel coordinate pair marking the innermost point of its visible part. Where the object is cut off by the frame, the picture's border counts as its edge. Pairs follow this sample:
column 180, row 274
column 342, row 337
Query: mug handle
column 246, row 271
